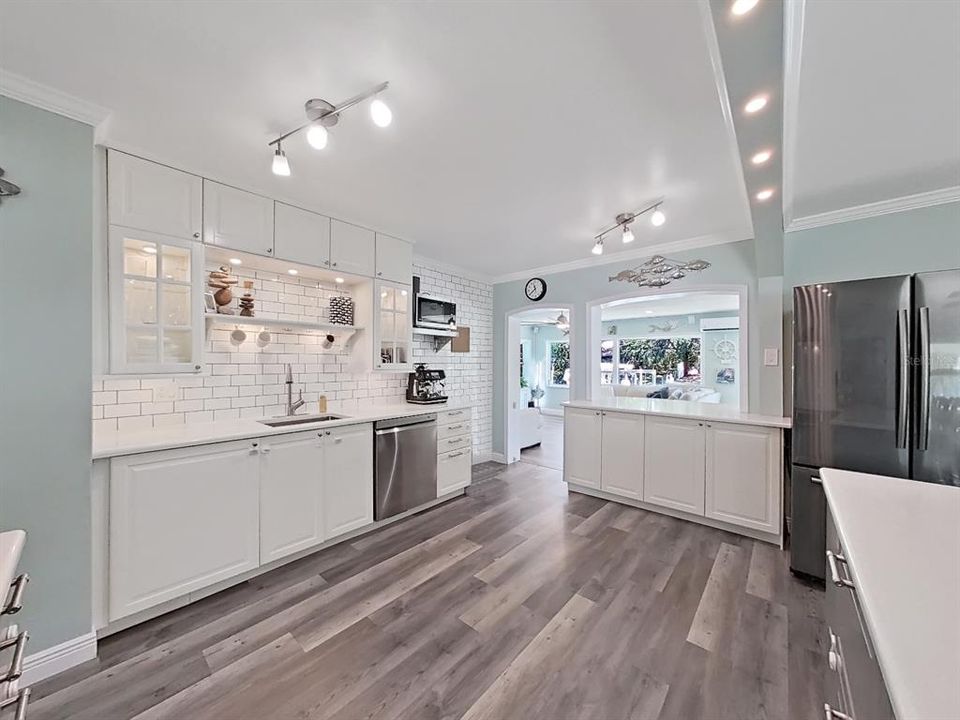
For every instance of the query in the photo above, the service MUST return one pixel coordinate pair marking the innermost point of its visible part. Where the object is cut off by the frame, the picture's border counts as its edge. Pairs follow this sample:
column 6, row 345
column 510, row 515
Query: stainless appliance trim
column 418, row 321
column 923, row 422
column 903, row 376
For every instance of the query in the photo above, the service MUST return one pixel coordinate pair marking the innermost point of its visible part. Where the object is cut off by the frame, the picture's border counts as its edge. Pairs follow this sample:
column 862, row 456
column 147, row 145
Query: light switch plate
column 165, row 392
column 771, row 357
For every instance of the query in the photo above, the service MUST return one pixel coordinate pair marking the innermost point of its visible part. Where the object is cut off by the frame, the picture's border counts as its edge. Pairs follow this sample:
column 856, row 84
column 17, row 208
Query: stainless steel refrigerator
column 876, row 389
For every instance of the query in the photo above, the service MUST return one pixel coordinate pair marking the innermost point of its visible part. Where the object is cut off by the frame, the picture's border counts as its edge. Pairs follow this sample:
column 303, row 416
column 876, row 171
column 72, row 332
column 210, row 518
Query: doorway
column 539, row 380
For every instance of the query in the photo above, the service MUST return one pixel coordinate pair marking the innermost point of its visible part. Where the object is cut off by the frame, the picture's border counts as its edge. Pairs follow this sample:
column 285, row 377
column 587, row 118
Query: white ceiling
column 667, row 305
column 520, row 129
column 877, row 103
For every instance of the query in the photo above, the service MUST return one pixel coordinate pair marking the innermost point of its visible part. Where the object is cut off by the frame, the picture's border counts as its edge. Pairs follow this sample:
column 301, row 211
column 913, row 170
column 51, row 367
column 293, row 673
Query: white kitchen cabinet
column 394, row 259
column 393, row 329
column 237, row 219
column 622, row 451
column 348, row 478
column 742, row 475
column 147, row 196
column 291, row 494
column 156, row 311
column 454, row 470
column 352, row 249
column 181, row 520
column 673, row 467
column 301, row 236
column 581, row 446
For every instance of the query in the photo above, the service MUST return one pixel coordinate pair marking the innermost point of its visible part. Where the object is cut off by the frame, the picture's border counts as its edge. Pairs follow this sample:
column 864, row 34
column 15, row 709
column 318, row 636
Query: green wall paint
column 45, row 364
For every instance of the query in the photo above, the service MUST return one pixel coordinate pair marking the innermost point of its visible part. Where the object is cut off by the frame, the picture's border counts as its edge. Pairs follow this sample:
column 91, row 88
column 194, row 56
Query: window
column 637, row 361
column 559, row 354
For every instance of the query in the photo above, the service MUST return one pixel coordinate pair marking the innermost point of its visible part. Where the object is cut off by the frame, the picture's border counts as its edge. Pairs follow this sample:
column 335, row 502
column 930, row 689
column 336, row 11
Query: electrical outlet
column 771, row 357
column 166, row 392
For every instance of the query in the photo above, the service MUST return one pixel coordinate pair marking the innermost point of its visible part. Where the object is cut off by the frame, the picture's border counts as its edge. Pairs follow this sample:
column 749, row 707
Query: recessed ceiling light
column 291, row 271
column 765, row 194
column 755, row 104
column 742, row 7
column 236, row 261
column 649, row 312
column 150, row 249
column 338, row 280
column 761, row 157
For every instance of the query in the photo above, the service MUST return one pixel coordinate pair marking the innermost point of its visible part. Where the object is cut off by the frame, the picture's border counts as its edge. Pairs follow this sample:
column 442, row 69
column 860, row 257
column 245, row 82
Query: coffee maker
column 425, row 387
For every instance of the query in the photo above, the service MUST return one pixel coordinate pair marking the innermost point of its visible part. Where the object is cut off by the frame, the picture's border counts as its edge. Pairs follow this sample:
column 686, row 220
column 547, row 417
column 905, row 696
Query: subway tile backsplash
column 245, row 380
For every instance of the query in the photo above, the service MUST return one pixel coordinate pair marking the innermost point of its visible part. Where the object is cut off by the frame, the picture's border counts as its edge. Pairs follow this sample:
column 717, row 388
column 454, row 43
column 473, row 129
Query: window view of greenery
column 560, row 363
column 635, row 361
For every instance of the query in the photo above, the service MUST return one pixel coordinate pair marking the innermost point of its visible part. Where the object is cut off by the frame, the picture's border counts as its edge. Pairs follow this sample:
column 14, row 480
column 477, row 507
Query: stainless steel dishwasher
column 405, row 463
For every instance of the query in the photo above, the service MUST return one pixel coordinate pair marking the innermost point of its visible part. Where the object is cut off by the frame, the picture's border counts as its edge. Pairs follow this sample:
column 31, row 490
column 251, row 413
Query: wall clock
column 535, row 289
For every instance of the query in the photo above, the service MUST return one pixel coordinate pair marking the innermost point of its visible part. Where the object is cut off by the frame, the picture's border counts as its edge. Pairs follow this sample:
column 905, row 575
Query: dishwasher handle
column 403, row 428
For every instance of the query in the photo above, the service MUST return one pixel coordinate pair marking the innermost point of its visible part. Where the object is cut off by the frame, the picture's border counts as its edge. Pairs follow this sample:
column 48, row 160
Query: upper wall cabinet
column 237, row 219
column 147, row 196
column 394, row 259
column 352, row 249
column 301, row 236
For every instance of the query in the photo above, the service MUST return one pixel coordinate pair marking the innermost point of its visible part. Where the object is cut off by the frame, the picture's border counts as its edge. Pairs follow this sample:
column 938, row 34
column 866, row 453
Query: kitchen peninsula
column 701, row 462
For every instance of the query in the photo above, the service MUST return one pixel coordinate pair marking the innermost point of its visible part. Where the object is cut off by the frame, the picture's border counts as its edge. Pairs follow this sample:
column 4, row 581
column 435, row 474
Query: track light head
column 658, row 218
column 280, row 165
column 627, row 235
column 598, row 247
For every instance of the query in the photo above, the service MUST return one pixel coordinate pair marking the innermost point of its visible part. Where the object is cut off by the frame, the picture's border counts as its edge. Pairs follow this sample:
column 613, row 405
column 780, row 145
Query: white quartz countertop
column 681, row 409
column 901, row 539
column 116, row 443
column 11, row 545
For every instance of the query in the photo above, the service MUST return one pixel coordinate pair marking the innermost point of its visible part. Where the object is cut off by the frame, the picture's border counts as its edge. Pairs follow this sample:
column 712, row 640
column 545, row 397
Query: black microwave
column 436, row 313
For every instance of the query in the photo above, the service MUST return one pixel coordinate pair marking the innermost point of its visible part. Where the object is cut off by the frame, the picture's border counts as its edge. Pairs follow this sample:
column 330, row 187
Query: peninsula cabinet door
column 348, row 479
column 673, row 471
column 581, row 446
column 743, row 475
column 622, row 454
column 181, row 520
column 291, row 494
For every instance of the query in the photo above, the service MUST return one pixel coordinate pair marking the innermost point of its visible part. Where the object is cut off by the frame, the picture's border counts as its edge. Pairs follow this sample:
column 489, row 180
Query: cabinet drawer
column 460, row 427
column 449, row 417
column 453, row 443
column 453, row 470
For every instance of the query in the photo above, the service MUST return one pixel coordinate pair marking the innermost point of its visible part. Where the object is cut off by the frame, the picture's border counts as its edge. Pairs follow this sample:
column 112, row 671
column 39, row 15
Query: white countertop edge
column 11, row 546
column 908, row 684
column 119, row 443
column 681, row 409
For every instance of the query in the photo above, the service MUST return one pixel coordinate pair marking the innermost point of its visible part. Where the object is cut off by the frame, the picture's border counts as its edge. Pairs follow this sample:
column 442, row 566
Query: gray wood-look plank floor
column 517, row 601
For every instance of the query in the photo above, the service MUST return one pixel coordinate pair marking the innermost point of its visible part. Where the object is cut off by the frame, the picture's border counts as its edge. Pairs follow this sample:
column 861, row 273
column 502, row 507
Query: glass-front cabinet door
column 394, row 336
column 156, row 311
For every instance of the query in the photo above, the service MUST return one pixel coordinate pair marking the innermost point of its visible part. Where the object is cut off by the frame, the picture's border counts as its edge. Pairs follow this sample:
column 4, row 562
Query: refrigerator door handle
column 903, row 379
column 923, row 421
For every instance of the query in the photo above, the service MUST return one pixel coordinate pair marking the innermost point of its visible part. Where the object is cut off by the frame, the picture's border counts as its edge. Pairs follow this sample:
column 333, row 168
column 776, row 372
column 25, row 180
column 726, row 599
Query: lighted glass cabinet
column 394, row 331
column 156, row 303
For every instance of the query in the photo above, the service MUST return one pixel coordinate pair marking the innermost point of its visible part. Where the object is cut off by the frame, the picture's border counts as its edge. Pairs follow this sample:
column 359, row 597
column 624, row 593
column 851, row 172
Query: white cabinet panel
column 181, row 520
column 673, row 468
column 742, row 475
column 622, row 446
column 449, row 430
column 147, row 196
column 454, row 470
column 301, row 236
column 352, row 249
column 348, row 478
column 581, row 446
column 291, row 494
column 394, row 259
column 237, row 219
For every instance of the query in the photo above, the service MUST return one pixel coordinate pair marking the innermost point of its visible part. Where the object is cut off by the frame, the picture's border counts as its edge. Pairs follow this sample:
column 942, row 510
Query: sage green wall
column 45, row 364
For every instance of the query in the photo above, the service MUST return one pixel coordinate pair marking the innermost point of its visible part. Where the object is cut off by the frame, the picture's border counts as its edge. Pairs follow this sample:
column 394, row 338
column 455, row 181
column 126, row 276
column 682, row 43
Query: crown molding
column 42, row 96
column 694, row 243
column 792, row 54
column 883, row 207
column 452, row 269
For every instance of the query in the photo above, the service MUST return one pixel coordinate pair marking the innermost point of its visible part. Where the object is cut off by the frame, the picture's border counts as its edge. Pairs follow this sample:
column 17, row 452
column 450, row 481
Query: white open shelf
column 348, row 332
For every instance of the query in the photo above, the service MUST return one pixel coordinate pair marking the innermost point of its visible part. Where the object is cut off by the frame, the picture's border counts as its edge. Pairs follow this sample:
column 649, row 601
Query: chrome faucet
column 292, row 405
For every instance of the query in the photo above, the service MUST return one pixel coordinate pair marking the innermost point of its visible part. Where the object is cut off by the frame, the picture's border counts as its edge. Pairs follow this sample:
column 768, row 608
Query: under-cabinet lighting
column 765, row 194
column 761, row 157
column 742, row 7
column 338, row 280
column 236, row 261
column 291, row 271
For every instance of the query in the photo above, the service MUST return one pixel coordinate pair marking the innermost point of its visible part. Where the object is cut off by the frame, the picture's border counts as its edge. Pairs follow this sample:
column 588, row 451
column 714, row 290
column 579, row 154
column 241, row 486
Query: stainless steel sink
column 300, row 420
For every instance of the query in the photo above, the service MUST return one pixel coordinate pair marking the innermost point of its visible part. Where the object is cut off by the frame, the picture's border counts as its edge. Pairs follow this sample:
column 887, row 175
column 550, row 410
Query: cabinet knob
column 326, row 262
column 196, row 234
column 334, row 264
column 597, row 414
column 269, row 251
column 197, row 367
column 326, row 432
column 700, row 424
column 379, row 274
column 265, row 450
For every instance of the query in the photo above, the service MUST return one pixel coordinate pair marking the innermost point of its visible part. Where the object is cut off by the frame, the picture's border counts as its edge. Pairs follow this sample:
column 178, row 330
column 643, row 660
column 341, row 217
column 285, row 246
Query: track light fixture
column 623, row 220
column 322, row 115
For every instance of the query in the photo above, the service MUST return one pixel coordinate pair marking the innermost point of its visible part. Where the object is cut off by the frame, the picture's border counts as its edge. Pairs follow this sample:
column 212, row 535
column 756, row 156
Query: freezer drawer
column 808, row 522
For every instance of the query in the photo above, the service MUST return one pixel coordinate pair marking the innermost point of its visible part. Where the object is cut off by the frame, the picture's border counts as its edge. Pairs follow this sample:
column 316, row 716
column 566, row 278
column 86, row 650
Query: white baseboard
column 551, row 411
column 58, row 658
column 497, row 458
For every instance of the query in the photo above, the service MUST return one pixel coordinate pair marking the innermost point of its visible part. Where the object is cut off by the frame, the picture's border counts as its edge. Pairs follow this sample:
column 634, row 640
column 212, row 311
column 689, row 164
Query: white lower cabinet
column 581, row 446
column 291, row 494
column 454, row 451
column 348, row 479
column 673, row 466
column 181, row 520
column 453, row 470
column 743, row 475
column 622, row 454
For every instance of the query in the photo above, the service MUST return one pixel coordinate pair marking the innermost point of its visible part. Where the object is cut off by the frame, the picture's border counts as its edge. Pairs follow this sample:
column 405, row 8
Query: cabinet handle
column 266, row 449
column 16, row 596
column 830, row 714
column 269, row 251
column 19, row 645
column 334, row 264
column 379, row 274
column 835, row 577
column 454, row 412
column 20, row 712
column 453, row 455
column 454, row 427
